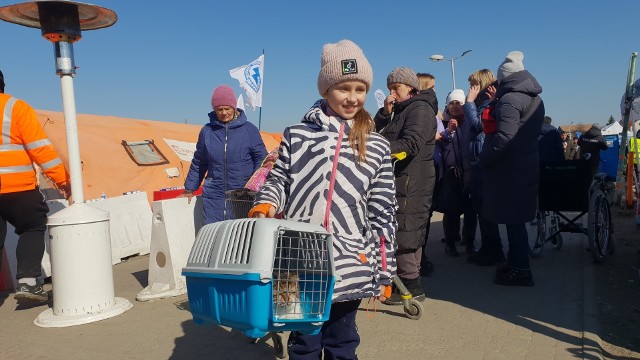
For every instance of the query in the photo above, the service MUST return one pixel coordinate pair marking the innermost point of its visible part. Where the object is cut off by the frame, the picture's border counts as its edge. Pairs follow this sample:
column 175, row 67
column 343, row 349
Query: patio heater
column 81, row 268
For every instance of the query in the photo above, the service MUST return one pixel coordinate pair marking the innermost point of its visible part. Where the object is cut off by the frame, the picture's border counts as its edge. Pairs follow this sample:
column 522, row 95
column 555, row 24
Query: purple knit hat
column 223, row 95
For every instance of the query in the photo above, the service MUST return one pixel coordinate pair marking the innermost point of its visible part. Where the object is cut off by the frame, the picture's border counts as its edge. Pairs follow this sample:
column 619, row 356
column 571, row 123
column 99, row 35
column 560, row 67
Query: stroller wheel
column 413, row 310
column 278, row 346
column 558, row 241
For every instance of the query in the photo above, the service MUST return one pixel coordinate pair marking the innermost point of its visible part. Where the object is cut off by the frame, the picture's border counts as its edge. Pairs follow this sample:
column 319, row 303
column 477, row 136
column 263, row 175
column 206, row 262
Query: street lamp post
column 453, row 71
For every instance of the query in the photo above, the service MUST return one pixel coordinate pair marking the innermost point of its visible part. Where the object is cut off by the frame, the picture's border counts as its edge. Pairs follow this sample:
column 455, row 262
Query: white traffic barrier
column 11, row 244
column 129, row 224
column 82, row 273
column 175, row 225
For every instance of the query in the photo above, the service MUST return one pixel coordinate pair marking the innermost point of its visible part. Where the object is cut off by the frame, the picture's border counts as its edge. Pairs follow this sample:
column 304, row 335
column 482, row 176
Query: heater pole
column 73, row 146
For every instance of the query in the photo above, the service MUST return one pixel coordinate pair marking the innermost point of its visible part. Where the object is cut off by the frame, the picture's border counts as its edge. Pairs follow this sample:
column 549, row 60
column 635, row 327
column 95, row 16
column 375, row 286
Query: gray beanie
column 403, row 75
column 511, row 64
column 340, row 62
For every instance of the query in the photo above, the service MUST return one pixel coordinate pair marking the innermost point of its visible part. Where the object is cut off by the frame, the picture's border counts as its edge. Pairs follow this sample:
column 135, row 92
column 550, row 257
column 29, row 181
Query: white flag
column 240, row 103
column 380, row 96
column 250, row 78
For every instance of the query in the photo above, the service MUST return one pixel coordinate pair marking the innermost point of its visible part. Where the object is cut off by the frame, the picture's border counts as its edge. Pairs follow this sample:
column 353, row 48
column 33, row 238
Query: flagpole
column 260, row 113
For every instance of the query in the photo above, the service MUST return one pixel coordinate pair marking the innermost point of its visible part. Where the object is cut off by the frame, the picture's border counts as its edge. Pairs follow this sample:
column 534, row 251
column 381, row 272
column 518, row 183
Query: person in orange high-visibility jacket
column 22, row 143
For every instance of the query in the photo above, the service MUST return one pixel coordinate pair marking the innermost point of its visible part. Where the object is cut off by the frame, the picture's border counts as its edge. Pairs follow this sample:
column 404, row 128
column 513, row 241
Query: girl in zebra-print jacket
column 363, row 204
column 354, row 198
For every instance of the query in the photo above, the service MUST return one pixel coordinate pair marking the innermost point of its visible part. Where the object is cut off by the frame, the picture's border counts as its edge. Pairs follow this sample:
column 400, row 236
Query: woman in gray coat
column 510, row 162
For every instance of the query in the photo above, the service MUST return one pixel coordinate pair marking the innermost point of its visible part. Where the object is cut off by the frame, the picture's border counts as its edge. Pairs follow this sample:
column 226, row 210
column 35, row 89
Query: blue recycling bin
column 609, row 157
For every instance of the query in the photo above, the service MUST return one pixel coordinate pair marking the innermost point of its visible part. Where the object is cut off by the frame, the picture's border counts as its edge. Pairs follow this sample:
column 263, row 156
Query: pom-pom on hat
column 223, row 95
column 456, row 95
column 343, row 61
column 511, row 64
column 403, row 75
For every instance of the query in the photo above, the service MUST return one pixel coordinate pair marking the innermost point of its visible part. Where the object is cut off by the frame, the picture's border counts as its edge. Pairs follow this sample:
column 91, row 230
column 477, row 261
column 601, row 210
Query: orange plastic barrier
column 171, row 193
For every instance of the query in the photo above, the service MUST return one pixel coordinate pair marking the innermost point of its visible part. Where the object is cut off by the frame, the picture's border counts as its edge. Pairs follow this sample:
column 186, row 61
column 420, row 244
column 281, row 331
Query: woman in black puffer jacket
column 408, row 121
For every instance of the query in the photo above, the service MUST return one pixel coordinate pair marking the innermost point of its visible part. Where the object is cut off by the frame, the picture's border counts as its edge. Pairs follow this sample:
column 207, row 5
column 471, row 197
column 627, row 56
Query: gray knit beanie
column 511, row 64
column 403, row 75
column 340, row 62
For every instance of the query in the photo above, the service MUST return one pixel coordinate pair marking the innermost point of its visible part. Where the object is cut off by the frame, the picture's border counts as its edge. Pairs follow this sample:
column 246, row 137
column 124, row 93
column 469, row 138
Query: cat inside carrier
column 261, row 275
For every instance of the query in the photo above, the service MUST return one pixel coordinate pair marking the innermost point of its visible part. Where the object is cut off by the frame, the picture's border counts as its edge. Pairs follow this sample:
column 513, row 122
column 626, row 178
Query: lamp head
column 436, row 57
column 59, row 20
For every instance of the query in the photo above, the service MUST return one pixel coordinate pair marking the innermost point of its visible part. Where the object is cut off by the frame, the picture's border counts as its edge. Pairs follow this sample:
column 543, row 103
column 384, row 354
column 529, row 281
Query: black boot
column 490, row 258
column 426, row 266
column 511, row 276
column 395, row 298
column 415, row 288
column 450, row 249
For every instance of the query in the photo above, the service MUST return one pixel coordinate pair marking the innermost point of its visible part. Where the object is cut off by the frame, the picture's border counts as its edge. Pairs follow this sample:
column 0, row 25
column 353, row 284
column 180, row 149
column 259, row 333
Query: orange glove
column 387, row 291
column 262, row 210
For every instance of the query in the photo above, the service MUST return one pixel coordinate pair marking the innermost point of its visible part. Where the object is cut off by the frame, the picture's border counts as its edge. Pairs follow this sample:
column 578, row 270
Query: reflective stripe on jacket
column 22, row 143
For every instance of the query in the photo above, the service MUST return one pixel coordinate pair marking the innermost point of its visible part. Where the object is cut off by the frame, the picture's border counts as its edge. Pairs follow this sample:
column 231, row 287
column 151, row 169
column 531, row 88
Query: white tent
column 612, row 129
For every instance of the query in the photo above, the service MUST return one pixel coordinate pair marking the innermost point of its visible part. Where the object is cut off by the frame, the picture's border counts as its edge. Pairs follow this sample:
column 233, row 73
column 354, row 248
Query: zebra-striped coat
column 362, row 214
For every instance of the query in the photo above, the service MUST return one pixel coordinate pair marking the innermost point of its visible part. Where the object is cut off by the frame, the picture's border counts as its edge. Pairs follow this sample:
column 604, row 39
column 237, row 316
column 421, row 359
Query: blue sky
column 162, row 59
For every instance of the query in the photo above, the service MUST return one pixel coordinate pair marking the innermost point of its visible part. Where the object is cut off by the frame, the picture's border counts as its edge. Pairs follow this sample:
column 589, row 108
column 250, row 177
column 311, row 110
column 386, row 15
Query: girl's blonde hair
column 483, row 78
column 362, row 126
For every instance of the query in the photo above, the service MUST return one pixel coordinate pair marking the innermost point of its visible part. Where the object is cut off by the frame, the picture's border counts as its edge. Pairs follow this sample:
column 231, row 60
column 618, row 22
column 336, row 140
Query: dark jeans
column 490, row 242
column 338, row 338
column 489, row 237
column 426, row 237
column 451, row 224
column 518, row 246
column 27, row 212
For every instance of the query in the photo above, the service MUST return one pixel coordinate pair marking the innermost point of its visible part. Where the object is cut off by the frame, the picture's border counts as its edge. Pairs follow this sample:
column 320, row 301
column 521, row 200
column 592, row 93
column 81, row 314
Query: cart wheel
column 557, row 241
column 414, row 310
column 278, row 346
column 536, row 234
column 600, row 227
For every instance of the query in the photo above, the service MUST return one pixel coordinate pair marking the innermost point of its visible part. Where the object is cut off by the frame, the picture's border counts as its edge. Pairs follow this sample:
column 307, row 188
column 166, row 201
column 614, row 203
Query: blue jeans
column 338, row 338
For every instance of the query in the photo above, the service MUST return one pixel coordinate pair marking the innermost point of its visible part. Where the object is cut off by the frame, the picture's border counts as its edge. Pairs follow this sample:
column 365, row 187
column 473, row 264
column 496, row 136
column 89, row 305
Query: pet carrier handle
column 327, row 212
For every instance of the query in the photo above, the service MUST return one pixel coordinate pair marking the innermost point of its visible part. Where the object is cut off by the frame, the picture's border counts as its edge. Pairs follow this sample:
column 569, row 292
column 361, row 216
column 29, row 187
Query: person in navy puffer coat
column 229, row 150
column 510, row 165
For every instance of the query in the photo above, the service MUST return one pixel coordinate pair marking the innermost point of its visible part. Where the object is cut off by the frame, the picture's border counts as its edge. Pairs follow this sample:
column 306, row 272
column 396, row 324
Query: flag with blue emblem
column 250, row 78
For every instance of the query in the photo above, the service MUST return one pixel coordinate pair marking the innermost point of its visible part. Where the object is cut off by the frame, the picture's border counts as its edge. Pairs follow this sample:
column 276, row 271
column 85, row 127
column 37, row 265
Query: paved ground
column 466, row 317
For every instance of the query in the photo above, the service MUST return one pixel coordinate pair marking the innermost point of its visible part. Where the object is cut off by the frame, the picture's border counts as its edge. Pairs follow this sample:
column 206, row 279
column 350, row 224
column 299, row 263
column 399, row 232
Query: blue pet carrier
column 261, row 275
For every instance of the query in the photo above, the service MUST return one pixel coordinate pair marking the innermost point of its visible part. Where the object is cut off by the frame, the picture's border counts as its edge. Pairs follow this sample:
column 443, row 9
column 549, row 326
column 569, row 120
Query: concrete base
column 150, row 294
column 48, row 319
